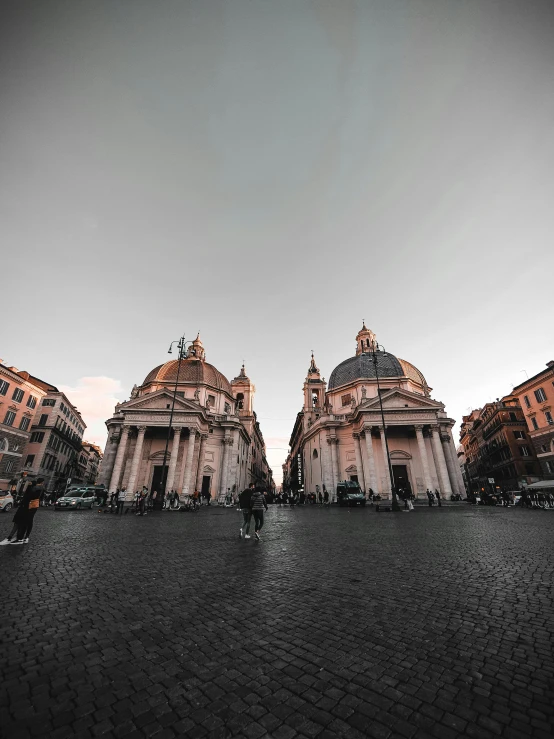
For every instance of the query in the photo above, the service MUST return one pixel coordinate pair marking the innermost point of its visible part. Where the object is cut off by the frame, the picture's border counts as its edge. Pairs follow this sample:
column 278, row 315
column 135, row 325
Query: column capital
column 368, row 428
column 332, row 440
column 204, row 437
column 228, row 441
column 125, row 429
column 418, row 427
column 356, row 435
column 177, row 430
column 434, row 427
column 142, row 429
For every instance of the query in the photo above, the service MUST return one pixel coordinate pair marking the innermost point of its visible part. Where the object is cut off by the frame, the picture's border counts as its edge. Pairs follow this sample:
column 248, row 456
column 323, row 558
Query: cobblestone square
column 340, row 623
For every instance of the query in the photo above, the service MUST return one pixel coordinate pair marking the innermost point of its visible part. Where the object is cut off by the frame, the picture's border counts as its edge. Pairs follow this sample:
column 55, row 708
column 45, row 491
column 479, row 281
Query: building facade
column 536, row 397
column 54, row 446
column 339, row 434
column 215, row 443
column 497, row 451
column 21, row 395
column 88, row 463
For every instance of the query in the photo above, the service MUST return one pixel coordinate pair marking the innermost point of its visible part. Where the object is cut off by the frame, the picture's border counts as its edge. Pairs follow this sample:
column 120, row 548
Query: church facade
column 339, row 434
column 215, row 442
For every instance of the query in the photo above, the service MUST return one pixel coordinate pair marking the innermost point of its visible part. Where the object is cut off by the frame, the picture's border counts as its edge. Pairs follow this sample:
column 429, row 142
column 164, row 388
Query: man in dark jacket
column 26, row 511
column 244, row 502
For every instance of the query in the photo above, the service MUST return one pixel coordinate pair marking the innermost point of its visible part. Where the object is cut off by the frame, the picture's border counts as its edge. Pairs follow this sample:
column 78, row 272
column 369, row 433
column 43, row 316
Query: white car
column 6, row 501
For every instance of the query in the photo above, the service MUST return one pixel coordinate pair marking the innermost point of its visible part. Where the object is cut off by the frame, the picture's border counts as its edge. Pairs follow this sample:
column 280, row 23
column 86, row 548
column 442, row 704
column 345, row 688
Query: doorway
column 206, row 479
column 354, row 478
column 157, row 477
column 401, row 479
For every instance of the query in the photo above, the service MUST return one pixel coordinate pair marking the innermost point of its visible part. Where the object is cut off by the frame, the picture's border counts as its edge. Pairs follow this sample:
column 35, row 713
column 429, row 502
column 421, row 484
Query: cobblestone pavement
column 340, row 623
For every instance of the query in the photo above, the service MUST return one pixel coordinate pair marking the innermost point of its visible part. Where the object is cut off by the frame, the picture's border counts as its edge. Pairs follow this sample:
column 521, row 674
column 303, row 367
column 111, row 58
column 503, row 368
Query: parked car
column 350, row 494
column 6, row 501
column 76, row 499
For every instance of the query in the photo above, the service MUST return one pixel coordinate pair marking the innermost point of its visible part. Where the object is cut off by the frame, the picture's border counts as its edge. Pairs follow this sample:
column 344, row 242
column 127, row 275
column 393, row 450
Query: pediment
column 352, row 469
column 159, row 401
column 399, row 398
column 399, row 454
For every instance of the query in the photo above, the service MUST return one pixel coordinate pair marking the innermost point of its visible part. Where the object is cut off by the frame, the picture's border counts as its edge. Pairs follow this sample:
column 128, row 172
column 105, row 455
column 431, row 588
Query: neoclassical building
column 338, row 434
column 215, row 440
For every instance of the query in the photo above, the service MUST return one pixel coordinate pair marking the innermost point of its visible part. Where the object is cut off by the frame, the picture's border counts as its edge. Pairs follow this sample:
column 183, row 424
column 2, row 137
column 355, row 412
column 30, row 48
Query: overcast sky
column 271, row 172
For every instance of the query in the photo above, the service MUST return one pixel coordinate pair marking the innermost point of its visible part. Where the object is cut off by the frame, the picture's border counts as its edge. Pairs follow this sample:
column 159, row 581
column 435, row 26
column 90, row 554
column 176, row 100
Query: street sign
column 491, row 480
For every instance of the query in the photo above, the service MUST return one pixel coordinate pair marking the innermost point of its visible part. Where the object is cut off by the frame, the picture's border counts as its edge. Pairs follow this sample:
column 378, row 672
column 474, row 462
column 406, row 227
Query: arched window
column 240, row 401
column 315, row 454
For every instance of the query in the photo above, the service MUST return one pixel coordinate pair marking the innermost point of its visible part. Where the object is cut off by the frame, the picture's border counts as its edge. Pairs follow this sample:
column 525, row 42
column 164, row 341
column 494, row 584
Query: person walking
column 430, row 497
column 245, row 499
column 25, row 514
column 121, row 501
column 258, row 505
column 326, row 497
column 438, row 497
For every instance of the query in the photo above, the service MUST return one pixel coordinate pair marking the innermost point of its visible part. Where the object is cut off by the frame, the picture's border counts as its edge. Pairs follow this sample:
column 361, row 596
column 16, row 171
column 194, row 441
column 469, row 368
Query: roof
column 362, row 367
column 193, row 371
column 542, row 484
column 531, row 380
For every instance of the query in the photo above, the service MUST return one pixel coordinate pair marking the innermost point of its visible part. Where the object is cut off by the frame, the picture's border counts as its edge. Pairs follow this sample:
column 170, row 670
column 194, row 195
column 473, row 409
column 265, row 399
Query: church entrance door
column 400, row 474
column 157, row 477
column 206, row 479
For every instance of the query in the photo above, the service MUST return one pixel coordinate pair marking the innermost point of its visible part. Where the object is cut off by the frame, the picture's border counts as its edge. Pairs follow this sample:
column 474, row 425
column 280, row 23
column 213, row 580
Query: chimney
column 548, row 364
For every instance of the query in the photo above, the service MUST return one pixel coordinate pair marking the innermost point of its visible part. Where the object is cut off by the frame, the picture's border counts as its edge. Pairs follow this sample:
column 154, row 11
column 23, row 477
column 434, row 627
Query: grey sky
column 271, row 172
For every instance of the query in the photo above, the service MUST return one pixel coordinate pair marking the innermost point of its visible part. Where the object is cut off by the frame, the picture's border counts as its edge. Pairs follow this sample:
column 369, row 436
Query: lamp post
column 374, row 348
column 181, row 350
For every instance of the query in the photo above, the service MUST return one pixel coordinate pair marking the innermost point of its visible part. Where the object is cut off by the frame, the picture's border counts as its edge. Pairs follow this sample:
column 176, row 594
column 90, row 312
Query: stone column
column 427, row 481
column 441, row 462
column 359, row 464
column 335, row 467
column 188, row 463
column 119, row 458
column 227, row 441
column 108, row 460
column 446, row 450
column 201, row 453
column 135, row 463
column 387, row 486
column 326, row 467
column 458, row 470
column 372, row 472
column 173, row 459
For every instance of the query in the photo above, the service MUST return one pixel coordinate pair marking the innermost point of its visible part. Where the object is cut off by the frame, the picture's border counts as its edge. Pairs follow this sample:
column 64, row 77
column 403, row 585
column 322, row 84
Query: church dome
column 193, row 371
column 361, row 367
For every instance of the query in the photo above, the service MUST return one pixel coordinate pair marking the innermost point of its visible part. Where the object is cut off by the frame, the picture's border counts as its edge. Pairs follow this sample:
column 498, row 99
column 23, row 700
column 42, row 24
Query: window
column 549, row 467
column 31, row 402
column 43, row 419
column 513, row 417
column 314, row 454
column 29, row 461
column 9, row 465
column 534, row 422
column 519, row 434
column 9, row 418
column 211, row 399
column 548, row 417
column 540, row 395
column 49, row 401
column 524, row 451
column 346, row 399
column 36, row 437
column 4, row 387
column 227, row 408
column 18, row 395
column 24, row 425
column 526, row 399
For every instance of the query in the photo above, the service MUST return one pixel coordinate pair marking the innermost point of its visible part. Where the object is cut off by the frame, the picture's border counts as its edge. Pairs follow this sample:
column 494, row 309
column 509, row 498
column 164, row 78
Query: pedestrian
column 25, row 514
column 141, row 504
column 438, row 497
column 320, row 498
column 228, row 498
column 245, row 499
column 326, row 498
column 430, row 497
column 258, row 505
column 121, row 501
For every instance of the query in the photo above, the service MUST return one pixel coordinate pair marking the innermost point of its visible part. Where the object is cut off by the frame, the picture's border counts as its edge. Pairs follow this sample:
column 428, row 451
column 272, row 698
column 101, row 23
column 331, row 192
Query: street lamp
column 374, row 347
column 181, row 351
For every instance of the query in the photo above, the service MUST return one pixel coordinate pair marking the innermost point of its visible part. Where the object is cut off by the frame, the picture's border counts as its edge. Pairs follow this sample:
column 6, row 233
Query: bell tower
column 243, row 391
column 314, row 390
column 364, row 339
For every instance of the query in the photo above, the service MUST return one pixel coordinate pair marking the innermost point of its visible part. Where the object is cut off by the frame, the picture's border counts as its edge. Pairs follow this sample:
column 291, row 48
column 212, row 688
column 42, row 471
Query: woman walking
column 257, row 506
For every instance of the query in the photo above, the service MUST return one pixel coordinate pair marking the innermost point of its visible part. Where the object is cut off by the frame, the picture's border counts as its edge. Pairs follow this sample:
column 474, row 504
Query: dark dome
column 361, row 367
column 194, row 371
